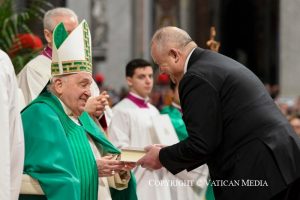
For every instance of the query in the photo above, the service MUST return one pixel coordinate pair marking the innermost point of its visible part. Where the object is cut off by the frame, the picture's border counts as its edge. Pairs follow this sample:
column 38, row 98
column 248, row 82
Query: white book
column 132, row 154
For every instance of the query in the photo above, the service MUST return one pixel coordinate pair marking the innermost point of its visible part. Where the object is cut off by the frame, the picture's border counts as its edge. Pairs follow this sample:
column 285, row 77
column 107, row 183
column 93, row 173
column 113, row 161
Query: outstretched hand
column 151, row 159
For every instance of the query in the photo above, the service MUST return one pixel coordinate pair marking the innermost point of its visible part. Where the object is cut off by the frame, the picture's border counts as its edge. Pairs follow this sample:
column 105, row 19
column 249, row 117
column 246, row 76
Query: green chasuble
column 58, row 153
column 180, row 128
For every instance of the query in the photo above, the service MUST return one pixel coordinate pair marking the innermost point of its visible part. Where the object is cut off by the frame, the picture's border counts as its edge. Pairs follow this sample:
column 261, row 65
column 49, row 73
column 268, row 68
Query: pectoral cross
column 212, row 43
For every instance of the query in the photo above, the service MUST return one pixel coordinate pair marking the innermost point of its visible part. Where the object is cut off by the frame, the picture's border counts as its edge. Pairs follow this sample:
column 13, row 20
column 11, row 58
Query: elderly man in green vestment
column 65, row 151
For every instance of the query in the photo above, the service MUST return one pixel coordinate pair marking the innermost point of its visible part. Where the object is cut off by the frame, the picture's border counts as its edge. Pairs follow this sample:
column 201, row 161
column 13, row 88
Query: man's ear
column 48, row 36
column 129, row 81
column 174, row 53
column 58, row 86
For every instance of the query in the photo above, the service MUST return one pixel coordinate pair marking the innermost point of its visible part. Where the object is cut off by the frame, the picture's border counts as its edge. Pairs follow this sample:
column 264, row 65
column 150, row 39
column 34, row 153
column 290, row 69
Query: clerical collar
column 138, row 100
column 175, row 105
column 187, row 61
column 47, row 51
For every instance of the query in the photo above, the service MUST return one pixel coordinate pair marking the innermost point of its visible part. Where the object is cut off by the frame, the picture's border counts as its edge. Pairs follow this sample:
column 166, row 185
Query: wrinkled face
column 74, row 91
column 70, row 24
column 141, row 82
column 169, row 61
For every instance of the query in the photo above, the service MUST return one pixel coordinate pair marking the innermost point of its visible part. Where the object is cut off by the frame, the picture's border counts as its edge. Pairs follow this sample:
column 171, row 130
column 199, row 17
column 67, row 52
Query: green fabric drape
column 176, row 119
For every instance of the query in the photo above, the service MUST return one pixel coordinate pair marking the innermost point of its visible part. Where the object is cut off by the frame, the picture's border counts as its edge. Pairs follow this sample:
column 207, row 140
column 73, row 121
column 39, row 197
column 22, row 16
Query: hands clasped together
column 95, row 106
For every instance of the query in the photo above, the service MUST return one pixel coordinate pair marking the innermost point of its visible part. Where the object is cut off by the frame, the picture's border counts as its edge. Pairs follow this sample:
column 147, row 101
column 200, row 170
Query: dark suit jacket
column 236, row 128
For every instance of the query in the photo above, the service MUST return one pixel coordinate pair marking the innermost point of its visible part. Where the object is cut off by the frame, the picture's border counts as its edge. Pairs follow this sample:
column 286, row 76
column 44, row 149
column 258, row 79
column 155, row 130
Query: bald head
column 170, row 48
column 171, row 36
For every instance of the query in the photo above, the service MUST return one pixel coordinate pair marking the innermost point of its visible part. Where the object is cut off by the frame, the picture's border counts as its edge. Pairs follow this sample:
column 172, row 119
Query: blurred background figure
column 132, row 126
column 295, row 122
column 99, row 79
column 114, row 96
column 11, row 134
column 36, row 73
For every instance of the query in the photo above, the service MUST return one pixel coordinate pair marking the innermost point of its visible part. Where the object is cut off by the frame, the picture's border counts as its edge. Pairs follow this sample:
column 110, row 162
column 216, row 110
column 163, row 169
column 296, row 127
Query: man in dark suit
column 233, row 124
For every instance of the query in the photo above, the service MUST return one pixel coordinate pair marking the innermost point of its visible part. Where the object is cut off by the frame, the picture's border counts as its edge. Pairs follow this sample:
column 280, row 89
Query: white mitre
column 71, row 53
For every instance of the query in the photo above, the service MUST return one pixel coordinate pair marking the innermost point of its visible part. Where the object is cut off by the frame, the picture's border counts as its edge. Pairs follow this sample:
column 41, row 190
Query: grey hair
column 50, row 86
column 171, row 36
column 60, row 11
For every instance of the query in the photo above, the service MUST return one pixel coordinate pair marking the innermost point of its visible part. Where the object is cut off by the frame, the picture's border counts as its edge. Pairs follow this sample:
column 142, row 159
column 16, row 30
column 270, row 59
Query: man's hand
column 96, row 105
column 151, row 159
column 128, row 165
column 108, row 166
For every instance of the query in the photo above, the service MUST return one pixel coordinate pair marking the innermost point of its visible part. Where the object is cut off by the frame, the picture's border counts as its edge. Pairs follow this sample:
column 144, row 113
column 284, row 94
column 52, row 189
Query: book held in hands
column 132, row 154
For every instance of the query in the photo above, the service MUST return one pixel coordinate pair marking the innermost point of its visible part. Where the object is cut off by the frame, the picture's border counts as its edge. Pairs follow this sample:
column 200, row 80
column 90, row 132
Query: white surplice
column 34, row 77
column 11, row 134
column 132, row 126
column 184, row 185
column 190, row 185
